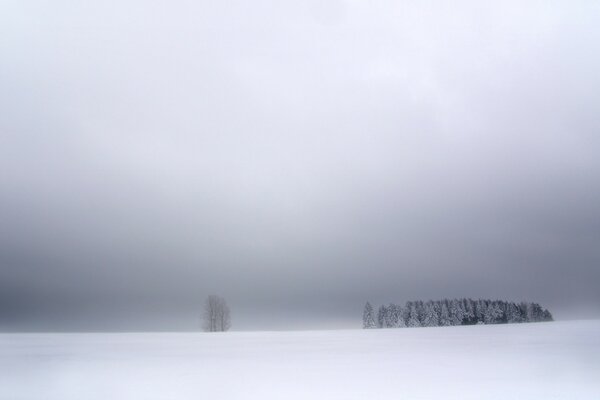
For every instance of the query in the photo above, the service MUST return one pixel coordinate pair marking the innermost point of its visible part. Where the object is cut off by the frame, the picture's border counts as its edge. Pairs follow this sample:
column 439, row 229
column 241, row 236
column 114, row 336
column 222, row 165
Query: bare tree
column 216, row 314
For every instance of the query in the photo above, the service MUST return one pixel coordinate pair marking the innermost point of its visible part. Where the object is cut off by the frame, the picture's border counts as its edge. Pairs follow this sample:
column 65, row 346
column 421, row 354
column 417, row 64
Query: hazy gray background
column 297, row 159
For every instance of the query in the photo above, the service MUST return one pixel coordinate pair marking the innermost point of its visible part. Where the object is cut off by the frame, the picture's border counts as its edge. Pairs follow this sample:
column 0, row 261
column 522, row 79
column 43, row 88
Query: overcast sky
column 296, row 158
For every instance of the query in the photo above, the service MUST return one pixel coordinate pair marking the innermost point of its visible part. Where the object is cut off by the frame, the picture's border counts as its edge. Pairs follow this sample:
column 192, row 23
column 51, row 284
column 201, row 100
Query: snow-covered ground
column 557, row 360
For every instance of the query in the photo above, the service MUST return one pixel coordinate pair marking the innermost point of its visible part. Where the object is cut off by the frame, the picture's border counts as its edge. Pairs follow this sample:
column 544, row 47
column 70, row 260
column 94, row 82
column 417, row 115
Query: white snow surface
column 552, row 360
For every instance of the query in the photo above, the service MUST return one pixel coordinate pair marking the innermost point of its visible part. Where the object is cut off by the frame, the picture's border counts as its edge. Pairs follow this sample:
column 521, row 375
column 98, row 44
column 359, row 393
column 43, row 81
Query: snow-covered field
column 557, row 360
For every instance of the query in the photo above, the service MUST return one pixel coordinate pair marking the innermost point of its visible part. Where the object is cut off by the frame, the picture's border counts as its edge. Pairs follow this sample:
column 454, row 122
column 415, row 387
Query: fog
column 297, row 159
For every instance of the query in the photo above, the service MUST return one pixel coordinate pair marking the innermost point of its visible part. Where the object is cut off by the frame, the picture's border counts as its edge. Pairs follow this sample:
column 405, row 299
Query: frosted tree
column 413, row 317
column 533, row 312
column 537, row 312
column 400, row 321
column 444, row 315
column 513, row 314
column 547, row 316
column 420, row 307
column 431, row 317
column 216, row 314
column 469, row 312
column 381, row 316
column 456, row 312
column 391, row 316
column 480, row 307
column 406, row 314
column 492, row 314
column 525, row 313
column 368, row 317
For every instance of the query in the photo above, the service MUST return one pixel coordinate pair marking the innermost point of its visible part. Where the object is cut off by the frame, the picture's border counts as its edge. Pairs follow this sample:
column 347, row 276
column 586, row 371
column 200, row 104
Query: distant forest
column 453, row 312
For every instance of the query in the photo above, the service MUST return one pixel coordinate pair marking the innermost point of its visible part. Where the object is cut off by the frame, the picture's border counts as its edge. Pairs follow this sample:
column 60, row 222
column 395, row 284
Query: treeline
column 453, row 312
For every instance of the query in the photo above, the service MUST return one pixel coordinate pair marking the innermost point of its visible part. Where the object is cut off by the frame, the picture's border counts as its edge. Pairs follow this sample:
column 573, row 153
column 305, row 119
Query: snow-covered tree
column 537, row 312
column 413, row 318
column 444, row 315
column 480, row 307
column 391, row 316
column 368, row 317
column 420, row 307
column 400, row 321
column 456, row 312
column 381, row 316
column 431, row 316
column 524, row 310
column 492, row 314
column 469, row 312
column 513, row 314
column 406, row 314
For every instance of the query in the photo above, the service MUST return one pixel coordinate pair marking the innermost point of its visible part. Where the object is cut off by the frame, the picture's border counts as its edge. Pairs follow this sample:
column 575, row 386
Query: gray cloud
column 296, row 159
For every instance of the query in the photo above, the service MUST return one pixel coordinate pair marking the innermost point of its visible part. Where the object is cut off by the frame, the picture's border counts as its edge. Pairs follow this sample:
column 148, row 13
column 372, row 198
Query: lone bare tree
column 216, row 314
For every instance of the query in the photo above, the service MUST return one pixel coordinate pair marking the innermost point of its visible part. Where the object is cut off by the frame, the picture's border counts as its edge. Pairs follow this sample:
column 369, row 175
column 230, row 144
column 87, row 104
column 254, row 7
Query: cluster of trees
column 452, row 312
column 216, row 314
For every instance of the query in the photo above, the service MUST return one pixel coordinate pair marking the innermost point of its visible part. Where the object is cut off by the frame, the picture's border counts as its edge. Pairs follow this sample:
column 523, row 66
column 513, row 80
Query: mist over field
column 295, row 158
column 323, row 199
